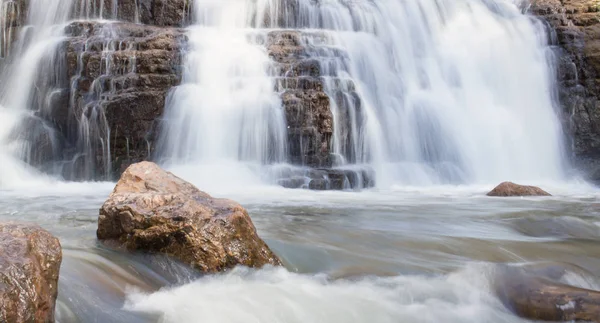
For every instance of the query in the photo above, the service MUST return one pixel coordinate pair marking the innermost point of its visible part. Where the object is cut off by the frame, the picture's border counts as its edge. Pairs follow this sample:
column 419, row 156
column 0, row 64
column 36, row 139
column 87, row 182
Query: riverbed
column 410, row 254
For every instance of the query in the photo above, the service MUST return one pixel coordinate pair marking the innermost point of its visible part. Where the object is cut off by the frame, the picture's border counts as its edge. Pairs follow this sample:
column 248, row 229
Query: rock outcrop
column 98, row 101
column 155, row 211
column 120, row 75
column 307, row 107
column 574, row 26
column 30, row 260
column 309, row 96
column 512, row 189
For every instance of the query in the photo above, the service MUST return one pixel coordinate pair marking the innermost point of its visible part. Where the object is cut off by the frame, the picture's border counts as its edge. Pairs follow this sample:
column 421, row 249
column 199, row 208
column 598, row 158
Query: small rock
column 30, row 260
column 318, row 184
column 155, row 211
column 293, row 182
column 512, row 189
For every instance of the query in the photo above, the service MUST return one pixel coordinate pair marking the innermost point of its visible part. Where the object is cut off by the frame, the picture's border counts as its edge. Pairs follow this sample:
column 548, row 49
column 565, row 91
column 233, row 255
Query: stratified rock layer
column 155, row 211
column 123, row 72
column 575, row 28
column 30, row 260
column 512, row 189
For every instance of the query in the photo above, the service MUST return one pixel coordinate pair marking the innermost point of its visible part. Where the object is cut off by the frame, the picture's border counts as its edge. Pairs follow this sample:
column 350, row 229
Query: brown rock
column 512, row 189
column 575, row 28
column 153, row 210
column 539, row 298
column 132, row 95
column 30, row 260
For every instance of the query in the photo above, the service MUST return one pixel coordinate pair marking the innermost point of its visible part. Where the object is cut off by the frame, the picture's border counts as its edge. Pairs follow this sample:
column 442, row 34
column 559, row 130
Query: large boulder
column 155, row 211
column 539, row 298
column 30, row 260
column 512, row 189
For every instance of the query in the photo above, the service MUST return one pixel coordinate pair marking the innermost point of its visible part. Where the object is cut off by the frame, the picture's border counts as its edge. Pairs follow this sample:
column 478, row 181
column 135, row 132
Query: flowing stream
column 443, row 99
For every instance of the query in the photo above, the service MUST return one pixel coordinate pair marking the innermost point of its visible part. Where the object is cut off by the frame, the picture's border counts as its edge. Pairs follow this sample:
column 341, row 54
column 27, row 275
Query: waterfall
column 49, row 121
column 424, row 92
column 444, row 96
column 28, row 80
column 303, row 93
column 226, row 111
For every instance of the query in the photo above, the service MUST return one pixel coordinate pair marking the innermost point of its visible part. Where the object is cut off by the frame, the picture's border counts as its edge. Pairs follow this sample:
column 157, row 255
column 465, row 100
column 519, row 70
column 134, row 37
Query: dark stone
column 575, row 27
column 318, row 184
column 145, row 65
column 294, row 182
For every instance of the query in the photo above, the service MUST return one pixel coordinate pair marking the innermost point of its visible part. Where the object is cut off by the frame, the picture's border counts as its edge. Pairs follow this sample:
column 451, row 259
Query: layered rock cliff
column 113, row 79
column 574, row 27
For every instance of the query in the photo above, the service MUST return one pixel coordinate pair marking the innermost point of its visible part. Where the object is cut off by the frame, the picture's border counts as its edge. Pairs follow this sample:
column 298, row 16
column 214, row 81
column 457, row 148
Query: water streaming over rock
column 318, row 94
column 28, row 83
column 226, row 111
column 57, row 79
column 425, row 92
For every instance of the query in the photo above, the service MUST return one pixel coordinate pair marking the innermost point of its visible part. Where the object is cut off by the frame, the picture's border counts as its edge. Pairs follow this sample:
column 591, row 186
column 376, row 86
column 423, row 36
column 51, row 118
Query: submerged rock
column 153, row 210
column 539, row 298
column 512, row 189
column 30, row 260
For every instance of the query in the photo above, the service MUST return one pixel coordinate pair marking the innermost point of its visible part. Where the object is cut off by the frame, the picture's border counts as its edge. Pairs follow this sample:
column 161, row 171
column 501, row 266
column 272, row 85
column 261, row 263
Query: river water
column 455, row 96
column 386, row 255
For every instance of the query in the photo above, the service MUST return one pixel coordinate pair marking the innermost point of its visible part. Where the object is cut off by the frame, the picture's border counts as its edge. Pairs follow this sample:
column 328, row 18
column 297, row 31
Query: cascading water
column 426, row 92
column 225, row 116
column 27, row 85
column 412, row 92
column 433, row 107
column 35, row 86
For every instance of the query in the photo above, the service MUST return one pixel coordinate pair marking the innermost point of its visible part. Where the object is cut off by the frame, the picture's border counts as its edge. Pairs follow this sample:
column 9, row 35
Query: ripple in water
column 276, row 295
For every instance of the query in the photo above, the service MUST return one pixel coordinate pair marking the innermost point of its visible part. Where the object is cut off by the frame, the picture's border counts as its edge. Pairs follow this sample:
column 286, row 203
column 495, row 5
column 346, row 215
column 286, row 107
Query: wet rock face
column 30, row 260
column 104, row 91
column 154, row 211
column 307, row 106
column 575, row 25
column 120, row 75
column 311, row 91
column 512, row 189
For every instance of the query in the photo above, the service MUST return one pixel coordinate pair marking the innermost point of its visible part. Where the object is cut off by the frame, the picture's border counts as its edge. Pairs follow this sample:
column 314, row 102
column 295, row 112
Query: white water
column 35, row 45
column 275, row 295
column 226, row 112
column 450, row 91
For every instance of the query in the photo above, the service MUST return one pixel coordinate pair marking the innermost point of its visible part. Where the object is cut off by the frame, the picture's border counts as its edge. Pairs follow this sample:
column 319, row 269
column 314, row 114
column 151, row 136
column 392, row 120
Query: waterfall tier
column 316, row 94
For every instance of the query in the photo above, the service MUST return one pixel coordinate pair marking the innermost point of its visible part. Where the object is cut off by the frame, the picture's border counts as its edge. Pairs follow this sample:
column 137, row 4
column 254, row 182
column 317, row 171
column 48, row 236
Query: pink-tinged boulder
column 512, row 189
column 153, row 210
column 30, row 260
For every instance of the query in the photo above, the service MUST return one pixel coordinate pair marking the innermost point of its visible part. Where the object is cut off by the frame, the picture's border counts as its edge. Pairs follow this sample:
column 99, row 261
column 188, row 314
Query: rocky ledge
column 117, row 79
column 574, row 27
column 153, row 210
column 120, row 74
column 30, row 260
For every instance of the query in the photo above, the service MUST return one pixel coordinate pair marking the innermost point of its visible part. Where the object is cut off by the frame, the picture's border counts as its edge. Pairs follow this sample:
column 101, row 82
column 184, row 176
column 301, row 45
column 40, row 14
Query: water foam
column 449, row 92
column 276, row 295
